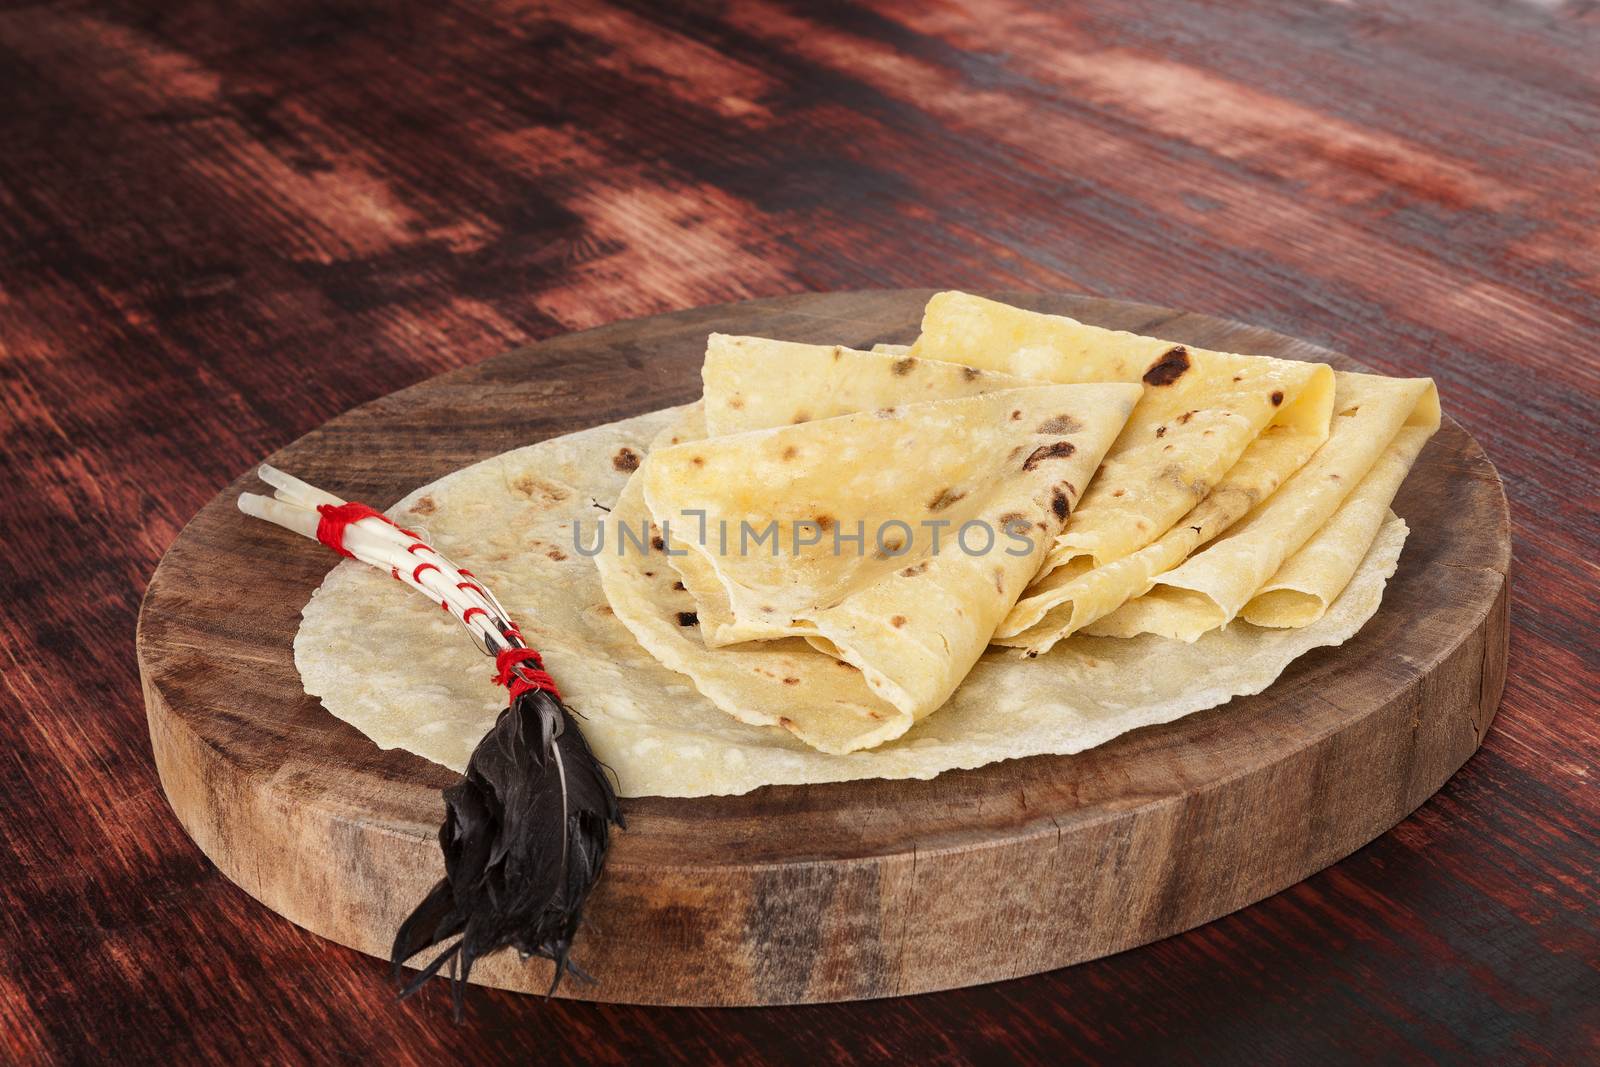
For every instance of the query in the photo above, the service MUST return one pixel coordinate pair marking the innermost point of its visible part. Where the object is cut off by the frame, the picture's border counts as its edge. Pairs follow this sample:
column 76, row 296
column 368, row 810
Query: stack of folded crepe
column 1162, row 489
column 1020, row 535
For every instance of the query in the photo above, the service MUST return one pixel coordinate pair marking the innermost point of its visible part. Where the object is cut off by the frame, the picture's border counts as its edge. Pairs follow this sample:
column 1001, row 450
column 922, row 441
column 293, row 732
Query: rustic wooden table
column 222, row 225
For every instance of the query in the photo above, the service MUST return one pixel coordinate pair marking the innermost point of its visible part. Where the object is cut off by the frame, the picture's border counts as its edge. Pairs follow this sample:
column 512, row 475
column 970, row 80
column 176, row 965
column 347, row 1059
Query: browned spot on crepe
column 944, row 499
column 538, row 490
column 1169, row 368
column 1056, row 450
column 897, row 621
column 887, row 549
column 902, row 367
column 1059, row 424
column 625, row 460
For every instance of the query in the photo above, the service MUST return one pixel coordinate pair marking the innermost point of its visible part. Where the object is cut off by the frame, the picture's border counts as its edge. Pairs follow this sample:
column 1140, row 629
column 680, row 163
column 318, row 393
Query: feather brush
column 525, row 832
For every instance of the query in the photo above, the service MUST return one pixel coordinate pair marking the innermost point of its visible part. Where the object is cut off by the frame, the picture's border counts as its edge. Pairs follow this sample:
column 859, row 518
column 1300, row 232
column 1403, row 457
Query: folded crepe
column 755, row 383
column 1214, row 434
column 825, row 530
column 1065, row 600
column 1312, row 579
column 1380, row 427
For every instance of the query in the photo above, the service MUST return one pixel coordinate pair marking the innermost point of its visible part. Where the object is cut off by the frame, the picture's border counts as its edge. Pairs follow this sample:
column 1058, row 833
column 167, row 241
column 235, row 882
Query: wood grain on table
column 221, row 225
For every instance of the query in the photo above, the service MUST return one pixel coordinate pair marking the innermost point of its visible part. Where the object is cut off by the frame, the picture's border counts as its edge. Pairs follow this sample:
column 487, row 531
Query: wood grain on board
column 223, row 225
column 825, row 892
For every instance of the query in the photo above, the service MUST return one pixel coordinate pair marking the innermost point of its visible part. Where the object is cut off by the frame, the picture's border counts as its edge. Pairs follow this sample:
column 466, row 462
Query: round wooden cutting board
column 827, row 892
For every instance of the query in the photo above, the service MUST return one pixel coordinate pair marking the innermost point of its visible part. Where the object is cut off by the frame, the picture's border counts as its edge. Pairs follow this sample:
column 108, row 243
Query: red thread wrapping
column 332, row 519
column 523, row 680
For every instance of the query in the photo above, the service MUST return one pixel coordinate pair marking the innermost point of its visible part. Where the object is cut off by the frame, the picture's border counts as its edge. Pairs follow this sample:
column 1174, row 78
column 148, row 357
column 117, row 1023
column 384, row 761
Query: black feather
column 524, row 837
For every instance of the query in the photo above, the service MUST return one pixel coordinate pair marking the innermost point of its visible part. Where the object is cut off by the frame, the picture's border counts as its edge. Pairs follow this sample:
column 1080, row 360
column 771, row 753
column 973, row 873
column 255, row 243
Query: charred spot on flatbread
column 889, row 549
column 944, row 498
column 1277, row 397
column 1169, row 368
column 1059, row 424
column 538, row 490
column 688, row 618
column 626, row 460
column 903, row 367
column 971, row 374
column 1055, row 450
column 1060, row 505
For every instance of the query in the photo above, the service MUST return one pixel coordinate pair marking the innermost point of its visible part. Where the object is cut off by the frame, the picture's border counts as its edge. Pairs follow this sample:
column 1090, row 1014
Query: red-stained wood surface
column 222, row 225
